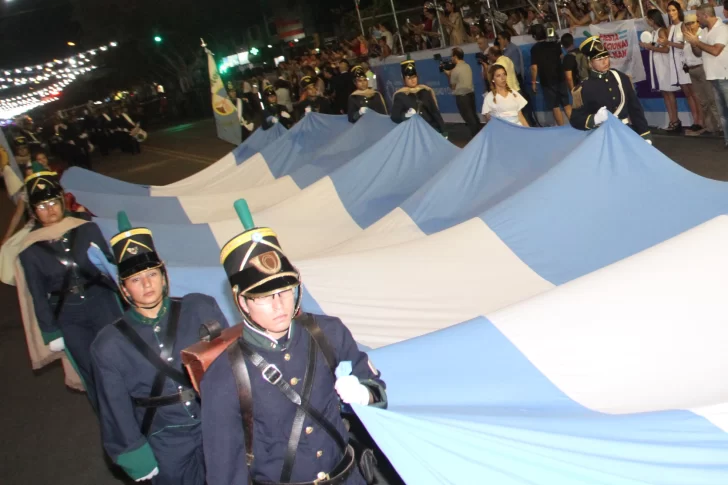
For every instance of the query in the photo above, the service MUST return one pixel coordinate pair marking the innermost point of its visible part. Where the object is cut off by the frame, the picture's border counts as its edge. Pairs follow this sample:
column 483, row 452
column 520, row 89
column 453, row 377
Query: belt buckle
column 322, row 478
column 272, row 374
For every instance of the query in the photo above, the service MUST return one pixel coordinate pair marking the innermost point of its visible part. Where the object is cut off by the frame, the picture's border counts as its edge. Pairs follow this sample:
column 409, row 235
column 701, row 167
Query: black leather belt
column 75, row 289
column 337, row 476
column 168, row 400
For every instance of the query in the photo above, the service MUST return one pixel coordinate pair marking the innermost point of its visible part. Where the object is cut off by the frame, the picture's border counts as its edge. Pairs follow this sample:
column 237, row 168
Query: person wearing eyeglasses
column 65, row 300
column 149, row 410
column 272, row 399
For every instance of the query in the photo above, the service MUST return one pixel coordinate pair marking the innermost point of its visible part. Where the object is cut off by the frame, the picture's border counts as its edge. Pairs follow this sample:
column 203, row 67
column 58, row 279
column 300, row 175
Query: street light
column 72, row 44
column 270, row 46
column 157, row 39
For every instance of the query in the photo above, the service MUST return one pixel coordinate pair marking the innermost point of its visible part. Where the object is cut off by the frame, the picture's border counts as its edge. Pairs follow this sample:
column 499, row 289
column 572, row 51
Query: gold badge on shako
column 268, row 263
column 133, row 250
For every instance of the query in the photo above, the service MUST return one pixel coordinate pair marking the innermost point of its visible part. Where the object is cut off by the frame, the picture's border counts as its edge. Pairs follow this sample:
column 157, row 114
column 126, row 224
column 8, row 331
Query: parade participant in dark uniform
column 416, row 98
column 72, row 299
column 274, row 112
column 150, row 414
column 313, row 100
column 364, row 98
column 245, row 111
column 606, row 90
column 278, row 377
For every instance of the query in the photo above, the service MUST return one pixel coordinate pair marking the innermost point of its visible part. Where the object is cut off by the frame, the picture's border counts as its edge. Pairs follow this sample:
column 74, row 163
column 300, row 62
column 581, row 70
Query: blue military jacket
column 122, row 373
column 273, row 412
column 44, row 274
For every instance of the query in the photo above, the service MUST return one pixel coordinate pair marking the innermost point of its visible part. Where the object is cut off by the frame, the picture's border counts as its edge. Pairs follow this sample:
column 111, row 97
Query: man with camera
column 461, row 83
column 546, row 67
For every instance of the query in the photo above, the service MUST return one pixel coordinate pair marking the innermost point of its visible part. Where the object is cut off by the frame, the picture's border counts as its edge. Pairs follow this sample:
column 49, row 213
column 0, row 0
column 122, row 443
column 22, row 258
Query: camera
column 481, row 58
column 445, row 64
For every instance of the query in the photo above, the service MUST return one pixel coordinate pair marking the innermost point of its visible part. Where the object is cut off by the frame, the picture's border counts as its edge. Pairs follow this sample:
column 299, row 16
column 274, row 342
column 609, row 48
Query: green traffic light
column 157, row 39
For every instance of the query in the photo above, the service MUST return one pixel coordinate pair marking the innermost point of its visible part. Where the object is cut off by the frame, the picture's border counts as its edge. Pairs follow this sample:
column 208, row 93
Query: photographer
column 461, row 83
column 546, row 67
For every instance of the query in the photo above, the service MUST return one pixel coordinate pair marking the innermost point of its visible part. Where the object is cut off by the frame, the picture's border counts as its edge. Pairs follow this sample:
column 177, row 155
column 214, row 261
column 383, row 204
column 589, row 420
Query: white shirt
column 388, row 38
column 716, row 67
column 506, row 108
column 690, row 58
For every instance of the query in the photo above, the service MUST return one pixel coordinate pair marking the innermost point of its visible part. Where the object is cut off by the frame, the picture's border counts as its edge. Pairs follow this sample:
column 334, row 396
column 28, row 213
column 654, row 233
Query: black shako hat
column 133, row 249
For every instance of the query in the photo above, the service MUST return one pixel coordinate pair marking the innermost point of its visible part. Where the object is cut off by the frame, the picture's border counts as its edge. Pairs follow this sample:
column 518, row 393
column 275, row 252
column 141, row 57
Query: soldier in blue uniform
column 271, row 409
column 150, row 415
column 314, row 101
column 274, row 112
column 415, row 98
column 606, row 90
column 364, row 98
column 72, row 299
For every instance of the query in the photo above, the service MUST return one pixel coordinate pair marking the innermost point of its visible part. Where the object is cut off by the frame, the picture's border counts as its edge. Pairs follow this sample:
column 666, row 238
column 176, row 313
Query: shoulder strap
column 300, row 417
column 159, row 361
column 245, row 396
column 308, row 321
column 621, row 92
column 67, row 261
column 274, row 376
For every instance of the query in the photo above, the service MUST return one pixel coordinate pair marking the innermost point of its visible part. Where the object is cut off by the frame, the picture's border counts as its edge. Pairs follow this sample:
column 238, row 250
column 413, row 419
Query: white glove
column 649, row 141
column 363, row 110
column 351, row 391
column 601, row 116
column 249, row 126
column 410, row 113
column 285, row 114
column 308, row 109
column 57, row 345
column 153, row 474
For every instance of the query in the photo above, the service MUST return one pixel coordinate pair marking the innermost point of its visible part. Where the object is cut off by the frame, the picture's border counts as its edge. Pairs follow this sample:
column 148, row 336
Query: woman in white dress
column 660, row 62
column 501, row 102
column 678, row 75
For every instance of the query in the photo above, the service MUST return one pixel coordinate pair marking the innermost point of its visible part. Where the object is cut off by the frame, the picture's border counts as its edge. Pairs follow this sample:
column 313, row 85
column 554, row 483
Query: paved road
column 50, row 435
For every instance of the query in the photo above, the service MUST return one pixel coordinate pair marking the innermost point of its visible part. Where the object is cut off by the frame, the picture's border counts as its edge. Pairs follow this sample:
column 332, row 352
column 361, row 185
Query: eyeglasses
column 47, row 205
column 268, row 300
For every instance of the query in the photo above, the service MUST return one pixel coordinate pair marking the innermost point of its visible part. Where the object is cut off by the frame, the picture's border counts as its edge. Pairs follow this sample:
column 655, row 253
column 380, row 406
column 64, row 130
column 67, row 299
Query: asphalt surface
column 50, row 435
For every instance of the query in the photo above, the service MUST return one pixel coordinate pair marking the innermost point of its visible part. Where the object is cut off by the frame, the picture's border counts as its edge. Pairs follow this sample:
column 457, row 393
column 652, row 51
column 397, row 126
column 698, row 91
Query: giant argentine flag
column 587, row 273
column 315, row 147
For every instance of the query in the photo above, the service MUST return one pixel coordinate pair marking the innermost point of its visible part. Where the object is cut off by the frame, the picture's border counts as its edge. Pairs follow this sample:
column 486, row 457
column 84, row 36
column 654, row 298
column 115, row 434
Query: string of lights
column 63, row 71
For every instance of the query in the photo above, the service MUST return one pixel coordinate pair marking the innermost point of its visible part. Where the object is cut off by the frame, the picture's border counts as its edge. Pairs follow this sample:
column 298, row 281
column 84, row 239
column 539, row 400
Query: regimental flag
column 226, row 115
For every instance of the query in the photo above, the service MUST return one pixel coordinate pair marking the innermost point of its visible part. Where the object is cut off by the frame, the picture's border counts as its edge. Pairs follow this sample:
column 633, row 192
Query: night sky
column 34, row 31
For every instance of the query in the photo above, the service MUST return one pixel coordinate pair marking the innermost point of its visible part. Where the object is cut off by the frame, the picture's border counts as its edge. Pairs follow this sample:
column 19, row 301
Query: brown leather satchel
column 198, row 357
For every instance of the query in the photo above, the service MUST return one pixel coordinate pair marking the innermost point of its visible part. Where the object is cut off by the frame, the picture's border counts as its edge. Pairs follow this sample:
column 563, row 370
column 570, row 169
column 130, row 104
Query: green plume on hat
column 36, row 167
column 241, row 207
column 123, row 222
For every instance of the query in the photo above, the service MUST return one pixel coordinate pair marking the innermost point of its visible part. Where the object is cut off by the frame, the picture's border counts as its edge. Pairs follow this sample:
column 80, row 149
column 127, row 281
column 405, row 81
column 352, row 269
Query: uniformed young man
column 150, row 415
column 606, row 90
column 313, row 100
column 72, row 299
column 278, row 379
column 245, row 111
column 274, row 112
column 364, row 98
column 415, row 98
